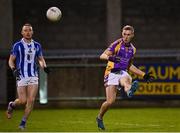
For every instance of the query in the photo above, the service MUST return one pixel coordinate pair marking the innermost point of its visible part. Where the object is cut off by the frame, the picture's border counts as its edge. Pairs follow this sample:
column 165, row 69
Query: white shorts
column 27, row 81
column 114, row 78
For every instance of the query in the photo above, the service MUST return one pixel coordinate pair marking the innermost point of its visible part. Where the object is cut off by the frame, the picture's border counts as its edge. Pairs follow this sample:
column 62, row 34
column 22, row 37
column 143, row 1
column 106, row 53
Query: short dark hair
column 128, row 27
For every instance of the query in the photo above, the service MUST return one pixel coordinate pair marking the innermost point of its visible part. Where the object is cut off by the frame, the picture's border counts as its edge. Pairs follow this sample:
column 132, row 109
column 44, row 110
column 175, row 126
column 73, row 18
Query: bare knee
column 126, row 82
column 31, row 100
column 127, row 87
column 110, row 102
column 22, row 101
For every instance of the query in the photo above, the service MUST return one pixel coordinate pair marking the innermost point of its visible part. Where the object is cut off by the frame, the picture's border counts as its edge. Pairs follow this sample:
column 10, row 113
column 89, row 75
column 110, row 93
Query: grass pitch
column 83, row 120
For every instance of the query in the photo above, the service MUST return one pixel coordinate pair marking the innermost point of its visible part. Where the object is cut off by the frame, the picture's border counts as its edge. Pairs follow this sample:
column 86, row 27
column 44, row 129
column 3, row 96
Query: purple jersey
column 125, row 53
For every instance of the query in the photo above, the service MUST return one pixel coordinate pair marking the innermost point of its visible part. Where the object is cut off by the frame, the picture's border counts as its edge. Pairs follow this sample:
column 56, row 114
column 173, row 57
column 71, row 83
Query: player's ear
column 122, row 33
column 32, row 30
column 21, row 32
column 132, row 35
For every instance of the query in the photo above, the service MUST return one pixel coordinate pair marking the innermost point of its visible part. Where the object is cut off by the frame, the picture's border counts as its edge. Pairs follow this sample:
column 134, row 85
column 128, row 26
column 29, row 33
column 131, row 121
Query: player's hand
column 148, row 77
column 115, row 59
column 46, row 70
column 16, row 73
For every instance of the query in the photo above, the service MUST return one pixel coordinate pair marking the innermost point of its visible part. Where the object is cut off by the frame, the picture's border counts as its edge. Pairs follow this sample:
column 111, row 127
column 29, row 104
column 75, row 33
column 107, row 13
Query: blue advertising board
column 166, row 83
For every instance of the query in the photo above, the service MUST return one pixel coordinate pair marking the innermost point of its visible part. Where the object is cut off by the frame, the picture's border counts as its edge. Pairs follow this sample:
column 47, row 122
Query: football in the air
column 54, row 14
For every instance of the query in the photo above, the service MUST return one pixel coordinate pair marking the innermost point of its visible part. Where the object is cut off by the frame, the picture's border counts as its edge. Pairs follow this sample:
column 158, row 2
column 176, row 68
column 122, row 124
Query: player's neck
column 127, row 43
column 27, row 40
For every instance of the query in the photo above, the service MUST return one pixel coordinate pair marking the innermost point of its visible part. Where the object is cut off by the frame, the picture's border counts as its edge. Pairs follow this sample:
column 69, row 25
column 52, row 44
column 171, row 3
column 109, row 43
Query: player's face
column 27, row 32
column 127, row 35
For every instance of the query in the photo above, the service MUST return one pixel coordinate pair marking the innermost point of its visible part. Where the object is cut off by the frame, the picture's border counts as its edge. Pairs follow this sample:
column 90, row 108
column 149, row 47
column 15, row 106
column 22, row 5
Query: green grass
column 83, row 120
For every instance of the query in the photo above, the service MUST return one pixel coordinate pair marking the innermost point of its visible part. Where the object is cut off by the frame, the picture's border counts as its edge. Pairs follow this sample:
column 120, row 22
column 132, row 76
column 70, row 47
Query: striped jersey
column 124, row 51
column 26, row 57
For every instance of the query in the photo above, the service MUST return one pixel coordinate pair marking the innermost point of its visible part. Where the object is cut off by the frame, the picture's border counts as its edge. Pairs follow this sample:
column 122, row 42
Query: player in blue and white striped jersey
column 23, row 60
column 26, row 55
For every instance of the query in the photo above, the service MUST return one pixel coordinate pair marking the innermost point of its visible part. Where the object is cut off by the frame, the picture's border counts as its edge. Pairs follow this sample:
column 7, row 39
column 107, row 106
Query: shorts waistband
column 117, row 71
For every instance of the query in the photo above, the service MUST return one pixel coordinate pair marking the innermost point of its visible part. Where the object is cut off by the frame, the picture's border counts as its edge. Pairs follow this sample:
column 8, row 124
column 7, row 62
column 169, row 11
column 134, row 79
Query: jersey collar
column 22, row 40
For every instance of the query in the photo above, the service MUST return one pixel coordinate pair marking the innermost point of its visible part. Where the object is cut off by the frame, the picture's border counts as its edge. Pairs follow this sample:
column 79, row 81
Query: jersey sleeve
column 113, row 46
column 134, row 50
column 14, row 50
column 39, row 51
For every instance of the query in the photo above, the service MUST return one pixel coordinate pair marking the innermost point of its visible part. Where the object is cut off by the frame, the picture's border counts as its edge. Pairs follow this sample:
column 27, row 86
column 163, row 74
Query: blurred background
column 72, row 47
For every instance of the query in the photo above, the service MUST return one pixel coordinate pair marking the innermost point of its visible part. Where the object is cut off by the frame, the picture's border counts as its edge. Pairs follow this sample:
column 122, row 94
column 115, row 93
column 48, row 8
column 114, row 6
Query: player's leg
column 111, row 92
column 129, row 87
column 21, row 91
column 31, row 94
column 134, row 87
column 126, row 81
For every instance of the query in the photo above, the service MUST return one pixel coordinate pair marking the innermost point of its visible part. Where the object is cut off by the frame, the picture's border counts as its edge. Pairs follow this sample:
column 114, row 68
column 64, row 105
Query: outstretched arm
column 146, row 76
column 136, row 71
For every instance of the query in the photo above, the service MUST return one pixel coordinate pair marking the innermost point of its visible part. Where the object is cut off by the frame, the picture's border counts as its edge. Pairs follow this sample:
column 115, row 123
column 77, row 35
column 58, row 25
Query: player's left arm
column 146, row 76
column 136, row 71
column 41, row 59
column 133, row 68
column 42, row 64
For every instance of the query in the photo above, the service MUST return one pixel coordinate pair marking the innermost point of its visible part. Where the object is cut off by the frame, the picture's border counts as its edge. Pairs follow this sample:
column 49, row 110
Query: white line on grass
column 142, row 125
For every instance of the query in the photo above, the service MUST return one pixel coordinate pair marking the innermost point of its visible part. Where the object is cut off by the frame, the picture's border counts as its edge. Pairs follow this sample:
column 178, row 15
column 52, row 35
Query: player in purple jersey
column 22, row 62
column 120, row 55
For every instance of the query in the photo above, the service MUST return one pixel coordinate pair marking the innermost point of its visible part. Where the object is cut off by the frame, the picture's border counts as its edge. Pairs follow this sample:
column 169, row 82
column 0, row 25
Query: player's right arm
column 12, row 65
column 12, row 58
column 105, row 55
column 109, row 53
column 11, row 62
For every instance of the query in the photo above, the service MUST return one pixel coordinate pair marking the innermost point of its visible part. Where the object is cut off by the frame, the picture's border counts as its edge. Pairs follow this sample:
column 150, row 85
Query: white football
column 54, row 14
